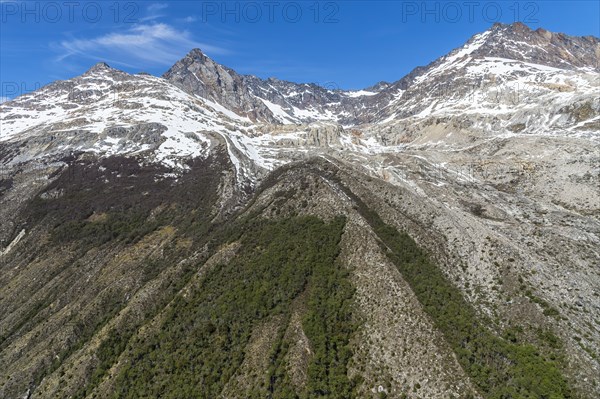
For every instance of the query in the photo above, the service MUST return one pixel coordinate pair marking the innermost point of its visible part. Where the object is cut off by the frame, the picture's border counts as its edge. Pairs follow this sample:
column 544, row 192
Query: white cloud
column 153, row 11
column 141, row 46
column 157, row 7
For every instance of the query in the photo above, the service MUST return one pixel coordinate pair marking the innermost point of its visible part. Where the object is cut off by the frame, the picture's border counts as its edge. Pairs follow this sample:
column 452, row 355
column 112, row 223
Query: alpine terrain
column 207, row 234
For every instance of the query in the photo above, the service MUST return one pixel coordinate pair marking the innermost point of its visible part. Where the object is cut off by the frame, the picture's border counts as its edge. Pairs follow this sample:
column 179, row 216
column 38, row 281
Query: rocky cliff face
column 271, row 100
column 519, row 42
column 150, row 225
column 199, row 75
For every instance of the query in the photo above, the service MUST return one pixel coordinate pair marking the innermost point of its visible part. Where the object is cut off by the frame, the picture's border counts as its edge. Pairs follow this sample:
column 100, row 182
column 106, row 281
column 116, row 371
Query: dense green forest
column 201, row 343
column 203, row 337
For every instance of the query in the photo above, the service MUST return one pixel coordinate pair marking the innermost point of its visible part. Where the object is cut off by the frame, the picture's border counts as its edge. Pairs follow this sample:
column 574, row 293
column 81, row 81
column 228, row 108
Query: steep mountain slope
column 212, row 234
column 508, row 79
column 132, row 295
column 270, row 100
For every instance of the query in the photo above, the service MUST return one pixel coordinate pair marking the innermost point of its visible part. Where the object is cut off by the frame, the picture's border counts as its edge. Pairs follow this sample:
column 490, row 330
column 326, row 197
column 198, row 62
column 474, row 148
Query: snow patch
column 359, row 93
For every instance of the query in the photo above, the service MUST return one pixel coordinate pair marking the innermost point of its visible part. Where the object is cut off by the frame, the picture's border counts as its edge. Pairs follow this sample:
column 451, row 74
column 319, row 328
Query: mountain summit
column 518, row 42
column 503, row 49
column 99, row 67
column 199, row 75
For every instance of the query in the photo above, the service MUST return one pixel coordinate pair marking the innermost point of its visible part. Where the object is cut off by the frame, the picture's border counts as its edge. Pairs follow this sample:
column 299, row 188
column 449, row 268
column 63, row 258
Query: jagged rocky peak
column 519, row 42
column 100, row 67
column 194, row 56
column 196, row 70
column 199, row 75
column 196, row 53
column 102, row 73
column 267, row 100
column 196, row 73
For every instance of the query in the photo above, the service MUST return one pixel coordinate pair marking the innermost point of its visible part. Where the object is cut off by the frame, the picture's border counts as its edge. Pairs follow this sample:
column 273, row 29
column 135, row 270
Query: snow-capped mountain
column 106, row 111
column 271, row 100
column 506, row 80
column 500, row 70
column 120, row 194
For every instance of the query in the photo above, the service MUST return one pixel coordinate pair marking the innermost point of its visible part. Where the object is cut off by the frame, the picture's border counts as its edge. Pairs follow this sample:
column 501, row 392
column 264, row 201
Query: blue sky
column 346, row 44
